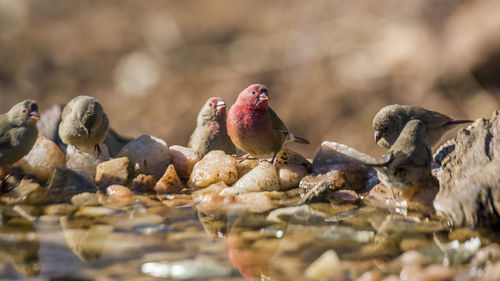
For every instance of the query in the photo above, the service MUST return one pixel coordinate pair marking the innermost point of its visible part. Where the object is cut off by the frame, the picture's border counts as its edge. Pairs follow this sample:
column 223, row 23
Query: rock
column 186, row 269
column 433, row 272
column 492, row 272
column 42, row 159
column 486, row 255
column 290, row 175
column 63, row 209
column 326, row 267
column 143, row 183
column 289, row 157
column 119, row 195
column 216, row 166
column 66, row 183
column 169, row 183
column 27, row 192
column 114, row 171
column 261, row 178
column 183, row 159
column 253, row 202
column 246, row 166
column 85, row 159
column 469, row 193
column 332, row 154
column 86, row 199
column 147, row 155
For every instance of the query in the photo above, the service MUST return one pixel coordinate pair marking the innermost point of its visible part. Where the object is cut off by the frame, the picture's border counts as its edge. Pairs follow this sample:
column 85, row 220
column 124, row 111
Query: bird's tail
column 388, row 160
column 293, row 138
column 457, row 122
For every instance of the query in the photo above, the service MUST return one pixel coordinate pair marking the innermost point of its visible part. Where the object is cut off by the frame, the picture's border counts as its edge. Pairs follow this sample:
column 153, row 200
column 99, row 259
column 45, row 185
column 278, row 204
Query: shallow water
column 179, row 240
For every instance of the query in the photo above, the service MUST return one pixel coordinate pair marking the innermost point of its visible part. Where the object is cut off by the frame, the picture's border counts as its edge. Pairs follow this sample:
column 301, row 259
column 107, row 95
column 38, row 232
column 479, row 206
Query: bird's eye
column 210, row 104
column 253, row 93
column 24, row 110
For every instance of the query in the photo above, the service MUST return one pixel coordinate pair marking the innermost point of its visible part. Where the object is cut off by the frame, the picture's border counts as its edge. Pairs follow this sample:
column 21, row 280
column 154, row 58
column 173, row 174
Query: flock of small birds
column 250, row 125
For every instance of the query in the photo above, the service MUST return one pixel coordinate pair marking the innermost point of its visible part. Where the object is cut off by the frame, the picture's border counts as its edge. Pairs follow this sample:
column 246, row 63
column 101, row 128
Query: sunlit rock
column 42, row 159
column 114, row 171
column 289, row 157
column 429, row 273
column 326, row 267
column 85, row 159
column 86, row 199
column 183, row 159
column 262, row 178
column 298, row 214
column 216, row 166
column 186, row 269
column 62, row 209
column 66, row 183
column 290, row 175
column 246, row 166
column 119, row 195
column 253, row 202
column 169, row 182
column 143, row 183
column 147, row 155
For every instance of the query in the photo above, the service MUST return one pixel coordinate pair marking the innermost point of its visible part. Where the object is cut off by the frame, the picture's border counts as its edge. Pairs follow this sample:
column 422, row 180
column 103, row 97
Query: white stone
column 262, row 178
column 290, row 175
column 326, row 267
column 147, row 155
column 184, row 159
column 216, row 166
column 42, row 160
column 333, row 154
column 85, row 159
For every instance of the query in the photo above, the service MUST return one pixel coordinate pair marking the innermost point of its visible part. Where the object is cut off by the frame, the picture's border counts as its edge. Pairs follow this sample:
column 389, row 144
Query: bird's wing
column 422, row 155
column 431, row 117
column 4, row 131
column 276, row 122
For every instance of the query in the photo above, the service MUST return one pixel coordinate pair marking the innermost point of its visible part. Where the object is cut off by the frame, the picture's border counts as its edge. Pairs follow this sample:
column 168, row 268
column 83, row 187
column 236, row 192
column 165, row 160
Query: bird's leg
column 274, row 157
column 393, row 194
column 98, row 149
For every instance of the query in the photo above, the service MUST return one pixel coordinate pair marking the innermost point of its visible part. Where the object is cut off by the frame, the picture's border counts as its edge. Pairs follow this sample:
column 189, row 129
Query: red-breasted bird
column 18, row 131
column 390, row 121
column 254, row 127
column 211, row 131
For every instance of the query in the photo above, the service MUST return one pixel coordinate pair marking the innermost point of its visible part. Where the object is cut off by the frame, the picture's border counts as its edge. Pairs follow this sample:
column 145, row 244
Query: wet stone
column 63, row 209
column 42, row 159
column 289, row 157
column 86, row 199
column 114, row 171
column 184, row 159
column 169, row 183
column 143, row 183
column 120, row 195
column 216, row 166
column 27, row 192
column 326, row 267
column 186, row 269
column 246, row 166
column 147, row 155
column 290, row 175
column 66, row 183
column 262, row 178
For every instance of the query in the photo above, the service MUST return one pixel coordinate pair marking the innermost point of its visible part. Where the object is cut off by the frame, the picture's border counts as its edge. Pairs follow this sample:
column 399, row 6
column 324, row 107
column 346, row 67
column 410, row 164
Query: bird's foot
column 98, row 149
column 247, row 157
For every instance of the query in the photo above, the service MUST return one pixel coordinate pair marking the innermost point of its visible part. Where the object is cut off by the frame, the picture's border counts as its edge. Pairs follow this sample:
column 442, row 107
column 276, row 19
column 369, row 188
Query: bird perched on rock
column 83, row 122
column 390, row 121
column 211, row 132
column 408, row 161
column 18, row 131
column 254, row 127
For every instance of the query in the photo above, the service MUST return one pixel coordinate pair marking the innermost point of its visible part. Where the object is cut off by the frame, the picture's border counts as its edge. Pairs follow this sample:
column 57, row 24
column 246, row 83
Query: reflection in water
column 85, row 236
column 19, row 245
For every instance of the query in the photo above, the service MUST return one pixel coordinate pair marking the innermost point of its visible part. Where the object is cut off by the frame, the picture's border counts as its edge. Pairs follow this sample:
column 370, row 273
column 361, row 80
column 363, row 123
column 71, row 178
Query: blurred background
column 330, row 65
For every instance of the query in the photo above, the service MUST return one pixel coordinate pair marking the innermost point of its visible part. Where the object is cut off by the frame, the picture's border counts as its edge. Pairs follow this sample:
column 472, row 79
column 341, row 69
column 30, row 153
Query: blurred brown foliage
column 330, row 65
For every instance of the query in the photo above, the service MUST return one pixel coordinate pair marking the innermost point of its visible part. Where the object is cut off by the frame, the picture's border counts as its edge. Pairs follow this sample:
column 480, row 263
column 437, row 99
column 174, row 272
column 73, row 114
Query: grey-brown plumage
column 18, row 131
column 211, row 131
column 391, row 119
column 408, row 161
column 83, row 122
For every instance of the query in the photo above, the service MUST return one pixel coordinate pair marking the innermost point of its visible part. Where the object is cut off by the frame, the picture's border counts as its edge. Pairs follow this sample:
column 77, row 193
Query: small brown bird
column 408, row 161
column 254, row 127
column 390, row 121
column 211, row 132
column 18, row 131
column 83, row 122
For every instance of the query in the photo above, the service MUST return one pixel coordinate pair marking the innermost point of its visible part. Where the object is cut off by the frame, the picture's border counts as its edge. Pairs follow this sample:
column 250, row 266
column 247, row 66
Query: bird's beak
column 263, row 96
column 87, row 131
column 34, row 115
column 378, row 136
column 220, row 105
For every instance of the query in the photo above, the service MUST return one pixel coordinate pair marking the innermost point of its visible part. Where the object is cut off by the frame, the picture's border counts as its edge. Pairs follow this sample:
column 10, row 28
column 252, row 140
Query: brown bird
column 83, row 122
column 390, row 121
column 211, row 132
column 254, row 127
column 408, row 161
column 18, row 131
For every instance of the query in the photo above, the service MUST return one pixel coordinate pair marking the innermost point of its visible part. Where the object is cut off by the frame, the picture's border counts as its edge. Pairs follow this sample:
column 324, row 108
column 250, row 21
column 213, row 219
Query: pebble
column 184, row 159
column 169, row 183
column 143, row 183
column 326, row 267
column 216, row 166
column 114, row 171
